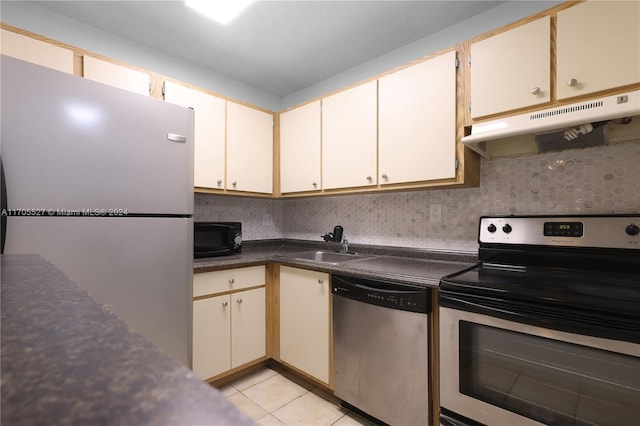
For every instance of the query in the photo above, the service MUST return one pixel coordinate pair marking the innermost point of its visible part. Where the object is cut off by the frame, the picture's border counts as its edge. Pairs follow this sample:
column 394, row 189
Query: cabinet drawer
column 227, row 280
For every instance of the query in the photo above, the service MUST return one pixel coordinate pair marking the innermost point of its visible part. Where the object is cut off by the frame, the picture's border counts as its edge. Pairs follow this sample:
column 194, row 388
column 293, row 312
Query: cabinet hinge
column 457, row 62
column 469, row 61
column 469, row 106
column 457, row 164
column 164, row 83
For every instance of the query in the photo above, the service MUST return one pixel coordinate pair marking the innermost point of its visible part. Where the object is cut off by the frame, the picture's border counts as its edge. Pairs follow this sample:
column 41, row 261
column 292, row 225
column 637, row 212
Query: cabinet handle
column 320, row 281
column 224, row 304
column 385, row 177
column 572, row 83
column 239, row 301
column 231, row 281
column 535, row 90
column 219, row 182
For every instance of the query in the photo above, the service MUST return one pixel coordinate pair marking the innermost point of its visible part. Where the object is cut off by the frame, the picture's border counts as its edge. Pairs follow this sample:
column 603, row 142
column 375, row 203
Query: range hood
column 569, row 126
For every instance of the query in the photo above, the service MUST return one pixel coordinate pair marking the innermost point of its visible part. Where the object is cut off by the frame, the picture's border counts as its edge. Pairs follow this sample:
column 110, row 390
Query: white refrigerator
column 99, row 181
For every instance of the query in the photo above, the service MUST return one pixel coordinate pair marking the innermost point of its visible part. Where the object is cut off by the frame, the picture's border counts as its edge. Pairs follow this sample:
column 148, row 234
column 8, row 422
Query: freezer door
column 72, row 143
column 140, row 267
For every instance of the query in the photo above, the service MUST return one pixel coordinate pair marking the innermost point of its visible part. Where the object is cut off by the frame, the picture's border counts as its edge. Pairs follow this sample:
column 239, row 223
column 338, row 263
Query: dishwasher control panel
column 383, row 293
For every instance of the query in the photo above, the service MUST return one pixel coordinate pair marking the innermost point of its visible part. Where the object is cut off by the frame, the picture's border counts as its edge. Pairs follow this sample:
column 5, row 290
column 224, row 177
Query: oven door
column 500, row 372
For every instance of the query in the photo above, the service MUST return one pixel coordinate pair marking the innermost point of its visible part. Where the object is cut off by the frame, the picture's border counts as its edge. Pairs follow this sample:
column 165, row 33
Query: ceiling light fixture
column 222, row 11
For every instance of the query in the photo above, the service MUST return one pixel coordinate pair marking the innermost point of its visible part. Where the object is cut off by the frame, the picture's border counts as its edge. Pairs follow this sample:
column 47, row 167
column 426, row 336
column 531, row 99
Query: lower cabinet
column 229, row 330
column 305, row 321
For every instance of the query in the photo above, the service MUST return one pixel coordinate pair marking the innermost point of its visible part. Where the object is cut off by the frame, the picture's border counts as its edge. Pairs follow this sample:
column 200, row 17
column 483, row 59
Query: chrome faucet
column 345, row 245
column 337, row 236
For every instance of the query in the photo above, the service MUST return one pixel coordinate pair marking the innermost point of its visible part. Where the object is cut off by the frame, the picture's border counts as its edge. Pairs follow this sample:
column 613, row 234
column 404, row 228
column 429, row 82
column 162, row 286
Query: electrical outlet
column 435, row 214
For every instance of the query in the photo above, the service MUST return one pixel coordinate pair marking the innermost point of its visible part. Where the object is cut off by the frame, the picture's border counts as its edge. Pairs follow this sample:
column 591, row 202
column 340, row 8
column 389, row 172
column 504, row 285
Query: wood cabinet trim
column 273, row 311
column 223, row 293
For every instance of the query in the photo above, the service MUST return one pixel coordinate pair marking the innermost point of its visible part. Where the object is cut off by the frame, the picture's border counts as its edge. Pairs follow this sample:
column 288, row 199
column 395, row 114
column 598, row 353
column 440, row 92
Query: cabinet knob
column 385, row 177
column 234, row 183
column 315, row 185
column 219, row 182
column 224, row 304
column 320, row 281
column 369, row 178
column 572, row 83
column 239, row 301
column 231, row 280
column 535, row 91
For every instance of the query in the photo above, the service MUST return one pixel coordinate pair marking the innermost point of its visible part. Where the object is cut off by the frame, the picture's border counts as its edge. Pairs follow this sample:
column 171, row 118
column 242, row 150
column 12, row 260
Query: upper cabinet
column 349, row 138
column 300, row 149
column 598, row 47
column 209, row 126
column 36, row 51
column 249, row 149
column 417, row 122
column 512, row 69
column 115, row 75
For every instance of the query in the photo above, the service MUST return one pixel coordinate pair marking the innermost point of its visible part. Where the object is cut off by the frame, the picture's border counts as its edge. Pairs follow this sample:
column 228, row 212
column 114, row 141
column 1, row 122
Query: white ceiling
column 277, row 46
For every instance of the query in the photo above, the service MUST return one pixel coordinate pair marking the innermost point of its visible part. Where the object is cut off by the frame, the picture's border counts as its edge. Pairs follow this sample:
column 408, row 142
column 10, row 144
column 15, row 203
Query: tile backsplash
column 596, row 180
column 261, row 218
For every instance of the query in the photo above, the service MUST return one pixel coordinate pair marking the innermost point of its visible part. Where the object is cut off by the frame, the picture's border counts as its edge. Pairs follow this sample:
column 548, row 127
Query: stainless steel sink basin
column 331, row 257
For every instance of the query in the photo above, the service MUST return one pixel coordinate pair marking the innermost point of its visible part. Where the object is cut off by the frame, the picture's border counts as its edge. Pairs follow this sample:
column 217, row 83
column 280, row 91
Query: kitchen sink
column 332, row 257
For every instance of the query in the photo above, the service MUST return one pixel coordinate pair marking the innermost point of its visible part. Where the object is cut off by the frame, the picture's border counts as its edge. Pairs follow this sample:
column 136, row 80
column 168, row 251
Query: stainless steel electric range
column 546, row 328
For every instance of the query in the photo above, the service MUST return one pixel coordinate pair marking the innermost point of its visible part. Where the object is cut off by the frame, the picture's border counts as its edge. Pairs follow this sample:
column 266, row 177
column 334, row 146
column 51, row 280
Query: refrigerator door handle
column 3, row 207
column 176, row 138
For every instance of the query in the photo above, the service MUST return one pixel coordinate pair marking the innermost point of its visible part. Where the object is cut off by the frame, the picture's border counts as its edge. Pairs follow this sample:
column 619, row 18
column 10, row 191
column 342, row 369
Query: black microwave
column 216, row 238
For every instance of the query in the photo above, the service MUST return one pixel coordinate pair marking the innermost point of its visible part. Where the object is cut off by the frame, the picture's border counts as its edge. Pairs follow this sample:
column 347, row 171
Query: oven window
column 550, row 381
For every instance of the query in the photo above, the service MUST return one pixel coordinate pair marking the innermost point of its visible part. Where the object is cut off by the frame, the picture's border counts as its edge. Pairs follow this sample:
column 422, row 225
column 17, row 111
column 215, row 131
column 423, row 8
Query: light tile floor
column 276, row 397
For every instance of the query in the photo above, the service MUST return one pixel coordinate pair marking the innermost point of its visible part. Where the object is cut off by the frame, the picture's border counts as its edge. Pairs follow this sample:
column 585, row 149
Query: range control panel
column 616, row 231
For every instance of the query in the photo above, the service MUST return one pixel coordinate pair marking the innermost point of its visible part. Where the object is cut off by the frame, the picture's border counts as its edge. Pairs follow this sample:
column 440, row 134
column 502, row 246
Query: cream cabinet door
column 115, row 75
column 248, row 326
column 417, row 122
column 249, row 149
column 300, row 148
column 512, row 69
column 305, row 321
column 349, row 138
column 209, row 126
column 598, row 47
column 211, row 336
column 36, row 51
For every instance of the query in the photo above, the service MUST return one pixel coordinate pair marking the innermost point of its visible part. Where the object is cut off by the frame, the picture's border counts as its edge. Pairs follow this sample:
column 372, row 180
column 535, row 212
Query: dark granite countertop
column 412, row 266
column 67, row 360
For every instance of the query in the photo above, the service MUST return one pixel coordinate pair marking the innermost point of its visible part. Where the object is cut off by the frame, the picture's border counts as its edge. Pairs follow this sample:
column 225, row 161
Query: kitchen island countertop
column 67, row 359
column 409, row 266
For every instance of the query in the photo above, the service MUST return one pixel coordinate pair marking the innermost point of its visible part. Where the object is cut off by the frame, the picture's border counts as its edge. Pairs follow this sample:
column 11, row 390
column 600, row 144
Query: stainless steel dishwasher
column 381, row 348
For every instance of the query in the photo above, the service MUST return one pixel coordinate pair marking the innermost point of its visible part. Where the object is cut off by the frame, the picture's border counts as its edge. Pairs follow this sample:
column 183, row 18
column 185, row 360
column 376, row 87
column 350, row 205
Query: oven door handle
column 591, row 323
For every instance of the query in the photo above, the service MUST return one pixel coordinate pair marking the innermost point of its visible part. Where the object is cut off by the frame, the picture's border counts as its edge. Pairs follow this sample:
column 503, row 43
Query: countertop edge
column 390, row 264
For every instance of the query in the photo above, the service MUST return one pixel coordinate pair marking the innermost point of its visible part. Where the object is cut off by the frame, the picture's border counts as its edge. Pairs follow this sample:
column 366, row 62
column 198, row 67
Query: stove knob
column 507, row 228
column 492, row 228
column 632, row 229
